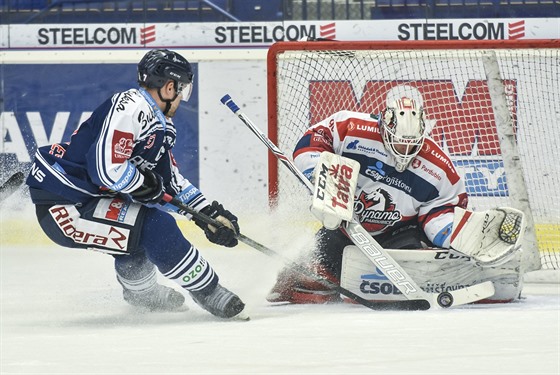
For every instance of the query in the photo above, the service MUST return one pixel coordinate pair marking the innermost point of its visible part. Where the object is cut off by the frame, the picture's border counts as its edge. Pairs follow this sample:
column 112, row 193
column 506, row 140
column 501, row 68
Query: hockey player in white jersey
column 408, row 195
column 103, row 190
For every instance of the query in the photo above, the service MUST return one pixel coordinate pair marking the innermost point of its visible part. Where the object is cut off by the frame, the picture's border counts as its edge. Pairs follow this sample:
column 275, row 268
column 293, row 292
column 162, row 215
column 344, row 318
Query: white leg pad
column 434, row 270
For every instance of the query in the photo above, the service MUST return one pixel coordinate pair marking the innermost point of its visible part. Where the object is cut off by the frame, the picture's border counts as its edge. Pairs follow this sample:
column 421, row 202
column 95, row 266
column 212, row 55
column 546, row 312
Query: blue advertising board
column 43, row 104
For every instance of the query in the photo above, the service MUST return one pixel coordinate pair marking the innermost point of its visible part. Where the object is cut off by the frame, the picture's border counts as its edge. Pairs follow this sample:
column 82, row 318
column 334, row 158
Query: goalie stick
column 183, row 209
column 367, row 244
column 11, row 185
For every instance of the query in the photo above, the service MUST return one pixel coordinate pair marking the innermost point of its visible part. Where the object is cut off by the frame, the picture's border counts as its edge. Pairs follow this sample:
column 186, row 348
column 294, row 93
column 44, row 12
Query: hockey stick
column 367, row 244
column 183, row 209
column 11, row 185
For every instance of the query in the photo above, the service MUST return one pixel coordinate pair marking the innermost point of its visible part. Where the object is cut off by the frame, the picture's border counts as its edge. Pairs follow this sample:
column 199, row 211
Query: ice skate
column 221, row 303
column 157, row 298
column 293, row 287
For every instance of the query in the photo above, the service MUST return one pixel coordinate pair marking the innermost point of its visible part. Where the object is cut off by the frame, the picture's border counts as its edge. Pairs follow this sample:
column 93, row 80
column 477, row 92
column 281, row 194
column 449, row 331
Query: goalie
column 408, row 196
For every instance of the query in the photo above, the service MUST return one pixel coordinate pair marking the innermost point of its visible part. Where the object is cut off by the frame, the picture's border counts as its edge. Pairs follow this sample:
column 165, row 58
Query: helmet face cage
column 403, row 131
column 159, row 66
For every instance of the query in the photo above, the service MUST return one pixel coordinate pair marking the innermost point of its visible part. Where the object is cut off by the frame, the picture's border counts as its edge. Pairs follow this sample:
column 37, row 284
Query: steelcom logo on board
column 96, row 36
column 461, row 31
column 236, row 33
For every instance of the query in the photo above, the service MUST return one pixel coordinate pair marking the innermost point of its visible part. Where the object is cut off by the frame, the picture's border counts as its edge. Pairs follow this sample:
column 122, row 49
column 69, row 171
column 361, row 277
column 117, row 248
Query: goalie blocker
column 335, row 179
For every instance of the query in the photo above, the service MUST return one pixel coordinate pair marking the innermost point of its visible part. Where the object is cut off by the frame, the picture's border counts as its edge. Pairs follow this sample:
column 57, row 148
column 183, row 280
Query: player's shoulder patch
column 434, row 154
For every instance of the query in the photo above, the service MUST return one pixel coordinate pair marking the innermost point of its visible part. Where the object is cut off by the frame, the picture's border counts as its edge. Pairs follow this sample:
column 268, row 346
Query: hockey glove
column 151, row 190
column 226, row 234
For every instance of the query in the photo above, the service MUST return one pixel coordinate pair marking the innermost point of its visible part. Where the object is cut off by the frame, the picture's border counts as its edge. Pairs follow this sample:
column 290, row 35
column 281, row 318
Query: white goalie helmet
column 403, row 130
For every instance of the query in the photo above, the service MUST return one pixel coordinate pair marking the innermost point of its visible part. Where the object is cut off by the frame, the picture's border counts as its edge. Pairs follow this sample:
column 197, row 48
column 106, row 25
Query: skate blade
column 242, row 316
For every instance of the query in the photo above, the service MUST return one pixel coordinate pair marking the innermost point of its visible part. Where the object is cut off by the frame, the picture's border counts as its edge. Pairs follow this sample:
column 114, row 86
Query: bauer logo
column 464, row 126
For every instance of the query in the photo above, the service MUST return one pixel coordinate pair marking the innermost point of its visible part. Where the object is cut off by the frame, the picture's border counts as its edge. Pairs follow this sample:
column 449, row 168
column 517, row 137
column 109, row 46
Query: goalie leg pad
column 435, row 271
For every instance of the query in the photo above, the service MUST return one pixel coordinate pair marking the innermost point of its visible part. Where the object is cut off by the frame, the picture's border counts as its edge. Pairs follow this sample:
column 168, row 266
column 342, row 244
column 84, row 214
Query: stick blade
column 470, row 294
column 11, row 185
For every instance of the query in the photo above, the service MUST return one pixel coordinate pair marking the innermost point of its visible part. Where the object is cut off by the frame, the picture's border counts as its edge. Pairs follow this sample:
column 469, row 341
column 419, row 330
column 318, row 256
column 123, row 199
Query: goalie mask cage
column 493, row 105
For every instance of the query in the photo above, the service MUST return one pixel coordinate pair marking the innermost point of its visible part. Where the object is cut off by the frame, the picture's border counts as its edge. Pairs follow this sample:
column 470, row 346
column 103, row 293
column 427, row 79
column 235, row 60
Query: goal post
column 493, row 105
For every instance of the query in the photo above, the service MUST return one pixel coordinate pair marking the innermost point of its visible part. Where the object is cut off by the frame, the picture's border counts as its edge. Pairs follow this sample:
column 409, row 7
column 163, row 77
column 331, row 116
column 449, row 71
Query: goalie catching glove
column 226, row 234
column 487, row 236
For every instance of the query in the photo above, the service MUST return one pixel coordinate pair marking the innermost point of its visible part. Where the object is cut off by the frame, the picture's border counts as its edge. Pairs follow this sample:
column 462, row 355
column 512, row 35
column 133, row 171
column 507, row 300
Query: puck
column 445, row 299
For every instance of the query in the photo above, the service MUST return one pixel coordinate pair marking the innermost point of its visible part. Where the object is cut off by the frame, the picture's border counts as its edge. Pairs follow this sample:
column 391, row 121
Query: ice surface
column 62, row 313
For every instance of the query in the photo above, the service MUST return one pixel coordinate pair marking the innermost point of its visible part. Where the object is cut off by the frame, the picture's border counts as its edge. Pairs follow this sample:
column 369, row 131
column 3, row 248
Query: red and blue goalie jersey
column 426, row 192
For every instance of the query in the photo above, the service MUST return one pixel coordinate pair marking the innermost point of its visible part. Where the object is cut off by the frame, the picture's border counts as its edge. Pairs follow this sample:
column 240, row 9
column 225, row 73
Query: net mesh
column 453, row 88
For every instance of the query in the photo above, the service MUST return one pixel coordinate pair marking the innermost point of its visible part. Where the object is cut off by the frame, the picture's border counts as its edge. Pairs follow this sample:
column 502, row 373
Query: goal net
column 493, row 105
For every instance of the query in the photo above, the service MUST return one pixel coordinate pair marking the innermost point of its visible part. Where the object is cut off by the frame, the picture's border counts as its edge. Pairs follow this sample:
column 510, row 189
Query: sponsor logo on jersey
column 321, row 136
column 124, row 99
column 355, row 145
column 186, row 195
column 67, row 218
column 418, row 164
column 367, row 128
column 375, row 171
column 123, row 143
column 376, row 210
column 117, row 210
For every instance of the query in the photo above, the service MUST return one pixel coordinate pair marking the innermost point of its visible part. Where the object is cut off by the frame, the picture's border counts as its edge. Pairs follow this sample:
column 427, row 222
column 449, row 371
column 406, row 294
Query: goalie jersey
column 122, row 137
column 426, row 193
